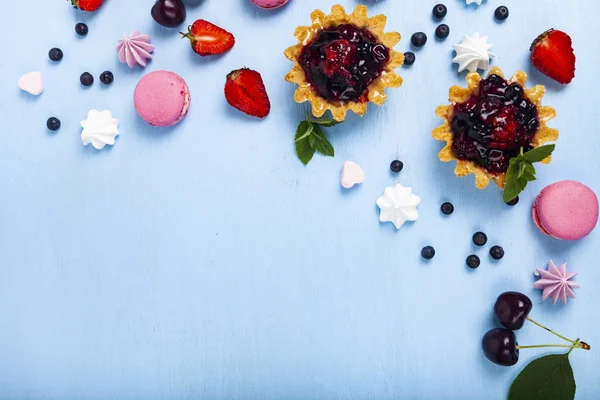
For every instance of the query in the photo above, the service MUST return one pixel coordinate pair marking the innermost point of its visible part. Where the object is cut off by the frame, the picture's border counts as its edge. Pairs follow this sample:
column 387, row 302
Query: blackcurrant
column 447, row 208
column 396, row 166
column 81, row 29
column 480, row 238
column 442, row 31
column 86, row 79
column 497, row 252
column 107, row 77
column 409, row 58
column 511, row 309
column 473, row 261
column 418, row 39
column 501, row 13
column 513, row 202
column 440, row 11
column 55, row 54
column 428, row 252
column 500, row 347
column 53, row 124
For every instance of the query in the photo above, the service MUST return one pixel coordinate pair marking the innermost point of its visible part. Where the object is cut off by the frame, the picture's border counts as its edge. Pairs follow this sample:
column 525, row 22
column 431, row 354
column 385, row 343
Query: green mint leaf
column 325, row 122
column 311, row 140
column 516, row 180
column 304, row 150
column 539, row 154
column 322, row 144
column 549, row 377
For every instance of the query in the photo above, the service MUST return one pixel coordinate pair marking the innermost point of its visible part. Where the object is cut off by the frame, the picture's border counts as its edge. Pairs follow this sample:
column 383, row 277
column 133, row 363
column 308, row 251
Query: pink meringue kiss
column 135, row 49
column 270, row 3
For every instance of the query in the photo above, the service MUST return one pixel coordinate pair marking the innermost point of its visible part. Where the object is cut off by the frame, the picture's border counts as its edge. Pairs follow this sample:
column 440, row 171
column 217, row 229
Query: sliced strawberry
column 208, row 39
column 552, row 53
column 245, row 90
column 87, row 5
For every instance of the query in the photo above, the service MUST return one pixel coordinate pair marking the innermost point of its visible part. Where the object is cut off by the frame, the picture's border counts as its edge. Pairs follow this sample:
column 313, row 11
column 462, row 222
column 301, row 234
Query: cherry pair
column 500, row 344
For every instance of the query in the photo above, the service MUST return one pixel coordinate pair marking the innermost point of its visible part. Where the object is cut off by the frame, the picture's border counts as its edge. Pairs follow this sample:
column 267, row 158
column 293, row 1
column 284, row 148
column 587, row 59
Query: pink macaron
column 270, row 3
column 566, row 210
column 162, row 98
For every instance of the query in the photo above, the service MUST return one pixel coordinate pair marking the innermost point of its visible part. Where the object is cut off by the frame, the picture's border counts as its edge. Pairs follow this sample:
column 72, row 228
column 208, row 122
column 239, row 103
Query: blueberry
column 473, row 261
column 409, row 58
column 55, row 54
column 428, row 252
column 480, row 238
column 53, row 124
column 86, row 79
column 497, row 252
column 447, row 208
column 81, row 29
column 501, row 13
column 442, row 31
column 513, row 202
column 107, row 77
column 396, row 166
column 418, row 39
column 440, row 11
column 514, row 92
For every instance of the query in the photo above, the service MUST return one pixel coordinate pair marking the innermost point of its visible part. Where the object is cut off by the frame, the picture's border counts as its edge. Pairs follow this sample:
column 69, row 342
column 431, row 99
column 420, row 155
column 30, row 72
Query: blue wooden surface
column 204, row 261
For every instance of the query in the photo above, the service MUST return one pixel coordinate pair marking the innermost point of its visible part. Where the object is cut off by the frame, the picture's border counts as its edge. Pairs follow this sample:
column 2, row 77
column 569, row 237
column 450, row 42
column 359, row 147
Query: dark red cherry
column 169, row 13
column 500, row 347
column 511, row 309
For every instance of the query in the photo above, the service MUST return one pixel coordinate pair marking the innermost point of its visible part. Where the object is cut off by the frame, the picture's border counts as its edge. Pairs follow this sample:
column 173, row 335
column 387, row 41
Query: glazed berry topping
column 480, row 238
column 491, row 127
column 81, row 29
column 428, row 252
column 409, row 58
column 447, row 208
column 55, row 54
column 53, row 124
column 396, row 166
column 473, row 261
column 107, row 77
column 501, row 13
column 86, row 79
column 442, row 31
column 341, row 63
column 440, row 11
column 418, row 39
column 513, row 202
column 497, row 252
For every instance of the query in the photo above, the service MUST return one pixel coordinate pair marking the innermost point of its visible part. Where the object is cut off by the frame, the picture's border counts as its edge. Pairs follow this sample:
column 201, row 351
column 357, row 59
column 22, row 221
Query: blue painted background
column 205, row 261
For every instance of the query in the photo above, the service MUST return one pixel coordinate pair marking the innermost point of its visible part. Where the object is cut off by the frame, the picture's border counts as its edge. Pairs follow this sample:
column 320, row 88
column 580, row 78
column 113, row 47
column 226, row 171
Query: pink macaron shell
column 162, row 98
column 270, row 3
column 566, row 210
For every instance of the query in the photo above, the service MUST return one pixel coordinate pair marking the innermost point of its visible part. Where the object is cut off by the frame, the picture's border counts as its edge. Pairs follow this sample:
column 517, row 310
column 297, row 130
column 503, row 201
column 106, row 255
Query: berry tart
column 490, row 122
column 342, row 62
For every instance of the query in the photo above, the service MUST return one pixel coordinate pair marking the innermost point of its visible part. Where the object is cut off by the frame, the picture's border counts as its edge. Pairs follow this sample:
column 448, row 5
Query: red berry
column 208, row 39
column 245, row 90
column 87, row 5
column 552, row 53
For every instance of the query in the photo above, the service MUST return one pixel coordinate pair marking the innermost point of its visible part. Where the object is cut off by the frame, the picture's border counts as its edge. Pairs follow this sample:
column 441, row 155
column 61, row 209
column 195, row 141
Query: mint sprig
column 310, row 138
column 521, row 170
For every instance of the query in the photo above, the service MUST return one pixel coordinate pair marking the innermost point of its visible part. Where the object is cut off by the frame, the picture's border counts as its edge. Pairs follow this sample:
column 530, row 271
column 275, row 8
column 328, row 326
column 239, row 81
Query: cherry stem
column 539, row 346
column 551, row 331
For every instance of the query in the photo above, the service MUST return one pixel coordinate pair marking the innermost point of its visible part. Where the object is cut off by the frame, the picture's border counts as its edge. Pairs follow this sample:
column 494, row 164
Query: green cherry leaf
column 325, row 122
column 304, row 150
column 539, row 154
column 322, row 144
column 549, row 377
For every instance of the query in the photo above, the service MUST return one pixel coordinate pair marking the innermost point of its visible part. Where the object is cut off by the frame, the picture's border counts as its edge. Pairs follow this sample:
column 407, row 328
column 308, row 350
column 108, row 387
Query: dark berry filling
column 341, row 63
column 491, row 127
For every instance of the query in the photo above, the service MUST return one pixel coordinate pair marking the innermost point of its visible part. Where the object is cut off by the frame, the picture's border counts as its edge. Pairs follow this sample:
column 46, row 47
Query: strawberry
column 552, row 53
column 87, row 5
column 208, row 39
column 245, row 90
